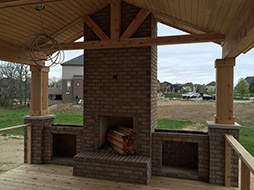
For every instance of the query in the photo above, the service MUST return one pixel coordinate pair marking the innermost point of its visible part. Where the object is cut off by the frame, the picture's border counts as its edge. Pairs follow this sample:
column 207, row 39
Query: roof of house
column 77, row 61
column 250, row 80
column 213, row 83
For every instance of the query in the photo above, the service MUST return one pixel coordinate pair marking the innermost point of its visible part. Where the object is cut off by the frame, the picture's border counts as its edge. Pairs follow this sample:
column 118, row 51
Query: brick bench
column 111, row 166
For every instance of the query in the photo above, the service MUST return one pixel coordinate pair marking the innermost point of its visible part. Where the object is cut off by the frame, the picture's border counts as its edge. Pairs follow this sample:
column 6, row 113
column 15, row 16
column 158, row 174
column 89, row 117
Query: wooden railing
column 29, row 138
column 247, row 162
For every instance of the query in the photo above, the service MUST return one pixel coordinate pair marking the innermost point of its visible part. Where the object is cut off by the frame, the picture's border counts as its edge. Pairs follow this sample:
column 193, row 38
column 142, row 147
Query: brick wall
column 42, row 138
column 49, row 131
column 76, row 90
column 38, row 126
column 171, row 138
column 132, row 94
column 217, row 156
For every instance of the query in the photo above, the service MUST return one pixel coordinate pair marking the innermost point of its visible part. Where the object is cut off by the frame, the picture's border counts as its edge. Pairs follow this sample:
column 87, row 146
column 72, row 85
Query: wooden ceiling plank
column 48, row 22
column 22, row 3
column 134, row 25
column 115, row 19
column 223, row 14
column 241, row 35
column 141, row 42
column 236, row 9
column 214, row 16
column 188, row 8
column 176, row 20
column 19, row 19
column 67, row 27
column 74, row 8
column 95, row 28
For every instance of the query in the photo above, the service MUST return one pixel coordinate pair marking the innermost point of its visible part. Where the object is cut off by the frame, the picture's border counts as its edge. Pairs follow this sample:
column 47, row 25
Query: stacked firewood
column 121, row 139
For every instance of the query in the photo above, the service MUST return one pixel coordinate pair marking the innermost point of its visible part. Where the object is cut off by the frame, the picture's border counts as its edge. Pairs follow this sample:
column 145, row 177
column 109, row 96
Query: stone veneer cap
column 212, row 124
column 38, row 117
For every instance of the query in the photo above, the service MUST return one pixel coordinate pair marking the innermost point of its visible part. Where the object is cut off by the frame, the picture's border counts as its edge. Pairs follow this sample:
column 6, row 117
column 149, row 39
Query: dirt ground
column 202, row 111
column 11, row 152
column 11, row 148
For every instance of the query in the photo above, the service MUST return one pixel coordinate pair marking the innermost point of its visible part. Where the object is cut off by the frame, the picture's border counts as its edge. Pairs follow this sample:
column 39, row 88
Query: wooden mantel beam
column 146, row 41
column 240, row 38
column 115, row 19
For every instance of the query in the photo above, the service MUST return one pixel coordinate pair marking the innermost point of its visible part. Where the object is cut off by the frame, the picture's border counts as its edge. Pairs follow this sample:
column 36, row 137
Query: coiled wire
column 40, row 48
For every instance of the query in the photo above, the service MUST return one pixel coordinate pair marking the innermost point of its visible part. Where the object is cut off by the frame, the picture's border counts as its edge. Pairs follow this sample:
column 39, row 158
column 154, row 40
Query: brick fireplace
column 120, row 88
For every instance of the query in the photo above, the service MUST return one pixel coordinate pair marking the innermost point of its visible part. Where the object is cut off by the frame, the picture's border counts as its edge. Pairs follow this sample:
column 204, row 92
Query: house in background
column 72, row 80
column 55, row 94
column 250, row 80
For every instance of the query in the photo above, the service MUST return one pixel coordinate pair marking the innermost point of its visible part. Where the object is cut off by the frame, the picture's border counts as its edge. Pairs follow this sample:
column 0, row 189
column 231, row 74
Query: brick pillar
column 223, row 124
column 39, row 91
column 38, row 125
column 224, row 91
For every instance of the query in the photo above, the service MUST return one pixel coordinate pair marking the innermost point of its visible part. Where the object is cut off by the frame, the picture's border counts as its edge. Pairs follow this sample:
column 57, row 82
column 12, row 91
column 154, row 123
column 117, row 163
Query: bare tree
column 14, row 83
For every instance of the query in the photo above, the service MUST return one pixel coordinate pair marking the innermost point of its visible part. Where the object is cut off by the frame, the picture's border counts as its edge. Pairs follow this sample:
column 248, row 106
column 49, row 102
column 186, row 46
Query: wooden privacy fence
column 247, row 162
column 29, row 138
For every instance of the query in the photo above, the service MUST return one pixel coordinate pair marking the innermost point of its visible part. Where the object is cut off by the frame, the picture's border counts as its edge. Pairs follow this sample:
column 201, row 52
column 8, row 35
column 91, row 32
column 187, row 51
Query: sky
column 184, row 63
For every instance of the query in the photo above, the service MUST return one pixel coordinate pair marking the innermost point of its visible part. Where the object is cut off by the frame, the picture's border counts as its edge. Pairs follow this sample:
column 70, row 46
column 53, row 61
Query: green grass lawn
column 69, row 118
column 247, row 139
column 10, row 118
column 173, row 95
column 172, row 124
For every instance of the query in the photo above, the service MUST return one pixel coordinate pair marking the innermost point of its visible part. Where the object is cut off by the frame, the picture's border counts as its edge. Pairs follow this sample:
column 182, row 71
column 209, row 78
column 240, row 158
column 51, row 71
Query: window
column 68, row 85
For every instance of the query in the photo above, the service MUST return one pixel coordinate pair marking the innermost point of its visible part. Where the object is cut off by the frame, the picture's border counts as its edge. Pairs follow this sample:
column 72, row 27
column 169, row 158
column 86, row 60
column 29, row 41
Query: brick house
column 250, row 80
column 72, row 79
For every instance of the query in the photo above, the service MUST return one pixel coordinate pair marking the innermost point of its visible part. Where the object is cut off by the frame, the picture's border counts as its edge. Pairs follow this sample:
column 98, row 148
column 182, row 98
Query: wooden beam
column 245, row 177
column 241, row 34
column 224, row 91
column 15, row 127
column 39, row 91
column 140, row 42
column 115, row 19
column 29, row 144
column 137, row 21
column 95, row 28
column 12, row 53
column 227, row 164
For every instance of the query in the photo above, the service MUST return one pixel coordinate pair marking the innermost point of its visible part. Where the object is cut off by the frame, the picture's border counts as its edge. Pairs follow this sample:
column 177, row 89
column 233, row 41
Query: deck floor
column 53, row 177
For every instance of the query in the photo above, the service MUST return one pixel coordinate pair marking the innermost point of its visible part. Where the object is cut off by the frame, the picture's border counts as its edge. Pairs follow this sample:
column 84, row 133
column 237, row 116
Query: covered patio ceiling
column 63, row 20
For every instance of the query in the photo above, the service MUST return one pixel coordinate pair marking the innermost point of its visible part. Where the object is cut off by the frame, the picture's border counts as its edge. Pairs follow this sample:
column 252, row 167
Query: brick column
column 223, row 124
column 38, row 125
column 39, row 91
column 224, row 91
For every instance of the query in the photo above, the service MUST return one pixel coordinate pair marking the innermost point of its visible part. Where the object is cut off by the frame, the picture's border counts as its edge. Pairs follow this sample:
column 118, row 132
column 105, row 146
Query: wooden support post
column 115, row 19
column 224, row 91
column 39, row 91
column 29, row 144
column 245, row 177
column 227, row 164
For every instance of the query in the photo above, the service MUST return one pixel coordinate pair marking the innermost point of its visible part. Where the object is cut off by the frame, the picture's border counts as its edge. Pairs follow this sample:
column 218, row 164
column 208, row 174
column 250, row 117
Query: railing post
column 245, row 177
column 227, row 164
column 29, row 144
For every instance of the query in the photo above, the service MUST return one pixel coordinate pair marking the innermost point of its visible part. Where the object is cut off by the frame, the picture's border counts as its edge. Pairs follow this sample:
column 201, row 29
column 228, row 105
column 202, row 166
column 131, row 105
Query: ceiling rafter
column 95, row 28
column 115, row 19
column 134, row 25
